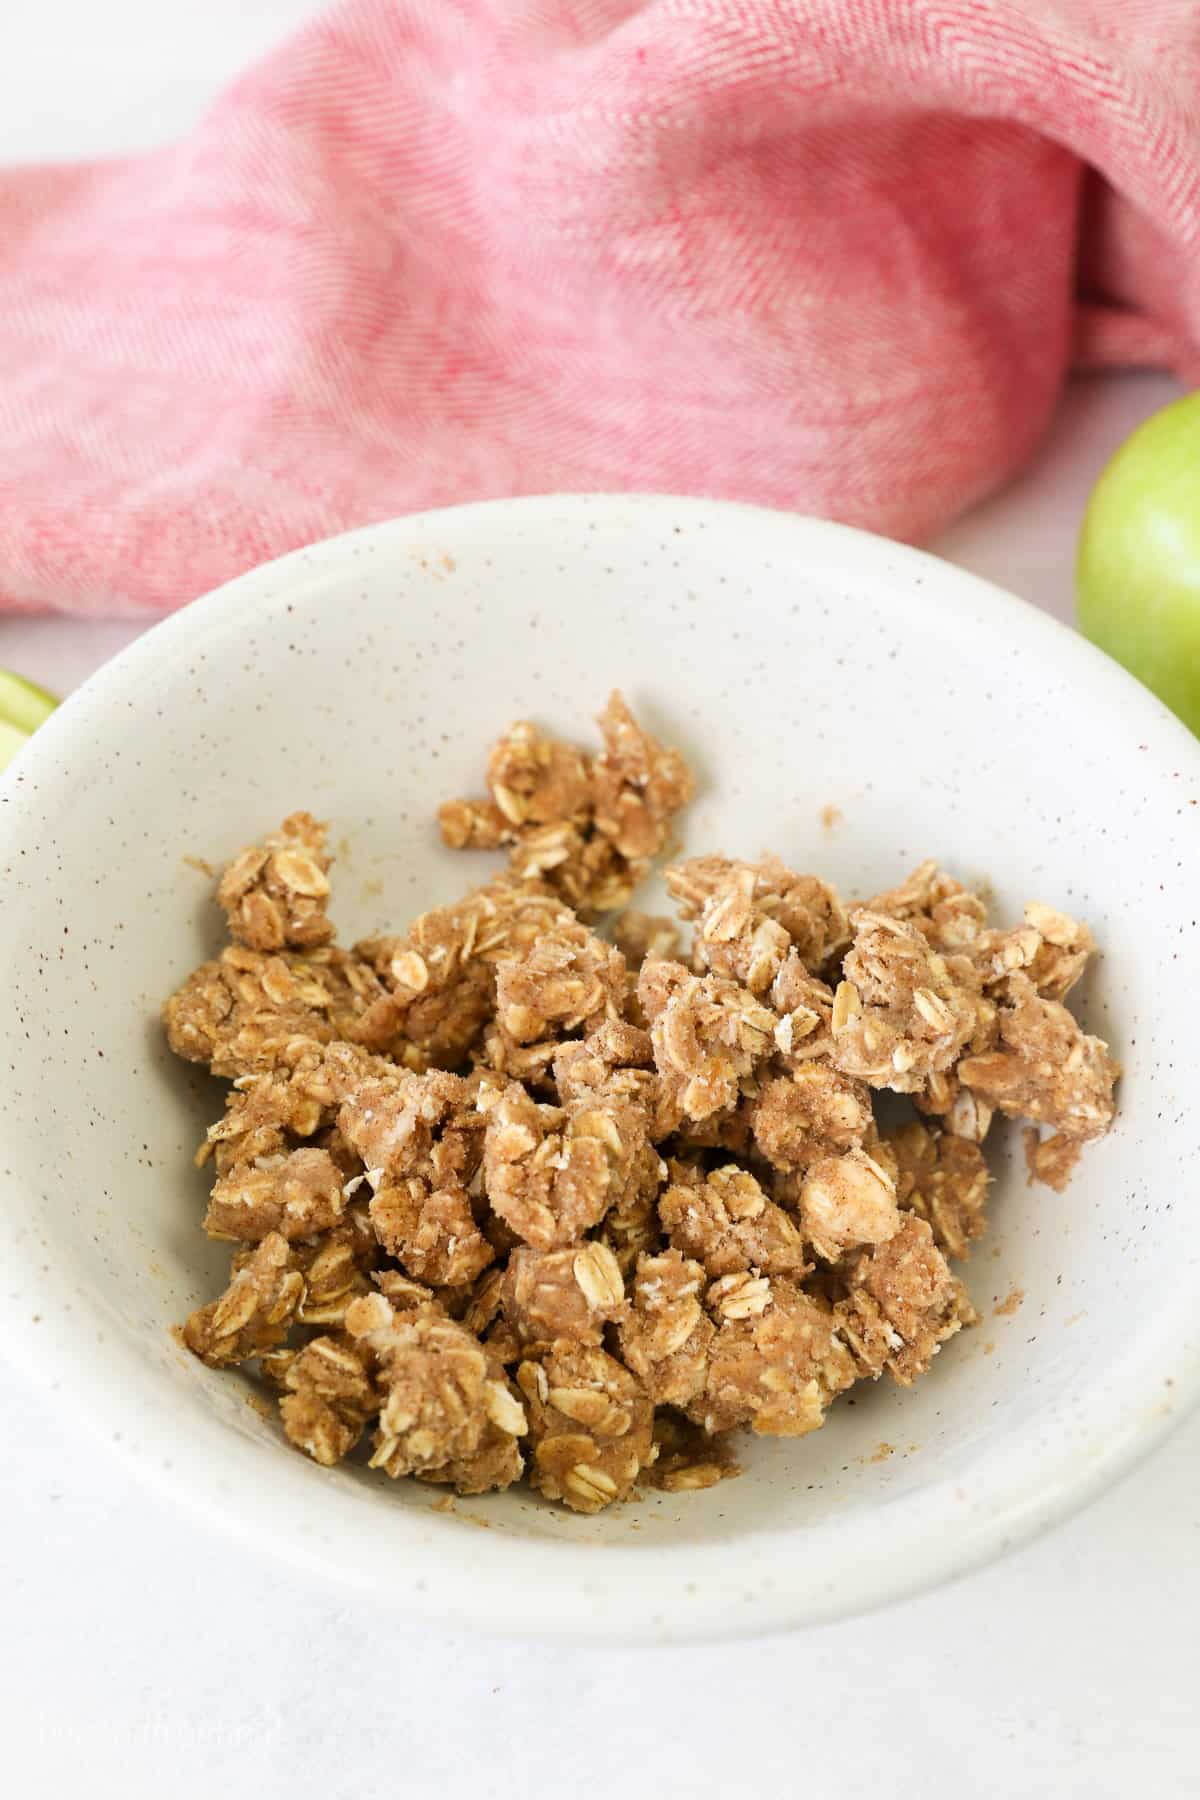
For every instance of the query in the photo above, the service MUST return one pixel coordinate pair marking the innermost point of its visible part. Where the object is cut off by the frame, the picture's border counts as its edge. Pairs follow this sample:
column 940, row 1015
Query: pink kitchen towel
column 832, row 255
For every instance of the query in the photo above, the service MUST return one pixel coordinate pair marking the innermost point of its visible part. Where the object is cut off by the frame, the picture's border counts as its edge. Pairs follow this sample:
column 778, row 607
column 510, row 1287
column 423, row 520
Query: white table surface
column 140, row 1654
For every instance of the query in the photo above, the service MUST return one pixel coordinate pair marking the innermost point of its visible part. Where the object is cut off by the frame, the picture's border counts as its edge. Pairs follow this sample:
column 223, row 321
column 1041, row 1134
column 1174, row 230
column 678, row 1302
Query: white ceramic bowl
column 803, row 666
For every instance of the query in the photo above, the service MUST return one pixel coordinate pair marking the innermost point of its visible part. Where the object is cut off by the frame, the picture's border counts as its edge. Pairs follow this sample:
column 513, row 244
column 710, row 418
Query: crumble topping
column 530, row 1192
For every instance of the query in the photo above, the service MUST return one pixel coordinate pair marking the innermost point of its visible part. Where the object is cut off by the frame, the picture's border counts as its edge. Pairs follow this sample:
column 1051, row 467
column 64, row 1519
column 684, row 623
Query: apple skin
column 1137, row 573
column 23, row 707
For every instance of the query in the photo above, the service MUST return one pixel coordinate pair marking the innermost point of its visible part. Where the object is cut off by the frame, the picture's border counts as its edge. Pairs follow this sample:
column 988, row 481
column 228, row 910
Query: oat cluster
column 511, row 1198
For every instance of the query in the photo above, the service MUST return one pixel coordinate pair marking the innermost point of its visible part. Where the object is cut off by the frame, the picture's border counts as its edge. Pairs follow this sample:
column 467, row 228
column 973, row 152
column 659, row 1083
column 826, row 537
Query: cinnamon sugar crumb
column 512, row 1198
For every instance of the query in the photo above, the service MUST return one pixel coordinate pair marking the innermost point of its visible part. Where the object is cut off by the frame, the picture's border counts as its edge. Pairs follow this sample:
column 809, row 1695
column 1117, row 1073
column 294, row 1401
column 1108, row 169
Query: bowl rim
column 505, row 1585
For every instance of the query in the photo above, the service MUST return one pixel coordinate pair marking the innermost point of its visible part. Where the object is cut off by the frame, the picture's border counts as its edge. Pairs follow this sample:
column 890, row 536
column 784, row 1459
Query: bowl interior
column 850, row 705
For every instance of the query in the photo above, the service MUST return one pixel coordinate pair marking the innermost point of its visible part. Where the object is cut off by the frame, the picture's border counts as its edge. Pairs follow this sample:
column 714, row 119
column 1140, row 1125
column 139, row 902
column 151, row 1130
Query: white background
column 141, row 1655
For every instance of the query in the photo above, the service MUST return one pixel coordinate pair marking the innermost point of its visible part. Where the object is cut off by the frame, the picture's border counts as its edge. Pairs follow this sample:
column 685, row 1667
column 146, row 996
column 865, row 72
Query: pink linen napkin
column 832, row 255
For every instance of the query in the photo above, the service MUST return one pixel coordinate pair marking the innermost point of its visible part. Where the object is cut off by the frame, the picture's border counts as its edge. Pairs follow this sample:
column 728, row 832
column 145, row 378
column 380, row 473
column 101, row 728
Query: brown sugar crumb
column 421, row 1138
column 432, row 1231
column 587, row 827
column 474, row 825
column 749, row 915
column 730, row 1132
column 571, row 1294
column 275, row 895
column 944, row 1180
column 535, row 780
column 566, row 980
column 501, row 1056
column 831, row 817
column 613, row 1066
column 403, row 1294
column 254, row 1313
column 551, row 1173
column 948, row 915
column 495, row 1465
column 1010, row 1304
column 337, row 1267
column 666, row 1337
column 688, row 1456
column 776, row 1362
column 804, row 1005
column 808, row 1114
column 1044, row 1067
column 845, row 1202
column 902, row 1010
column 591, row 1427
column 902, row 1304
column 708, row 1034
column 638, row 786
column 448, row 1410
column 298, row 1195
column 734, row 936
column 964, row 1114
column 587, row 871
column 441, row 975
column 631, row 1225
column 509, row 1200
column 269, row 1112
column 401, row 1123
column 615, row 1059
column 330, row 1398
column 248, row 1011
column 725, row 1220
column 1050, row 948
column 1051, row 1160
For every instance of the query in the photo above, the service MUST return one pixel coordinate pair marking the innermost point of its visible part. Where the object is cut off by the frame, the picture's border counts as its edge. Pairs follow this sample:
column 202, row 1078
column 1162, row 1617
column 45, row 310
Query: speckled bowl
column 804, row 668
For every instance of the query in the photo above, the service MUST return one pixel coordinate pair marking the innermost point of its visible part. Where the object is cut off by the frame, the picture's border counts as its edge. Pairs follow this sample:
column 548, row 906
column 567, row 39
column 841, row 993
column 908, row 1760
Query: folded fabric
column 831, row 255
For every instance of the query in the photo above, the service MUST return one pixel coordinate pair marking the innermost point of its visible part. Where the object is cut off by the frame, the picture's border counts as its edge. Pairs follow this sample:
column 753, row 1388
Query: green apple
column 1137, row 576
column 23, row 707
